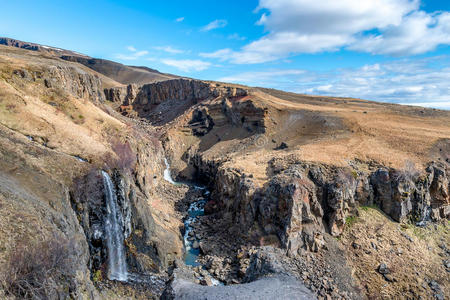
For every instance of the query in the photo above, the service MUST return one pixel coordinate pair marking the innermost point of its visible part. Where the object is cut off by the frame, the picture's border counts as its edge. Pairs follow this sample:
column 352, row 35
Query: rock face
column 37, row 206
column 223, row 111
column 144, row 98
column 149, row 246
column 301, row 201
column 400, row 195
column 289, row 209
column 116, row 94
column 68, row 78
column 81, row 84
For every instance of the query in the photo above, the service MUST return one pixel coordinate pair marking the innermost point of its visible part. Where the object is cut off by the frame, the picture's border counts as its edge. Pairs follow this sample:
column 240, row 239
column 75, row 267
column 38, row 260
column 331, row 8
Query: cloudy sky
column 386, row 50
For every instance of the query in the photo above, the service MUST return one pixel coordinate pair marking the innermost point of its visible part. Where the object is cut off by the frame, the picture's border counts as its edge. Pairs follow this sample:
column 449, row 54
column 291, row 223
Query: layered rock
column 62, row 77
column 301, row 201
column 145, row 97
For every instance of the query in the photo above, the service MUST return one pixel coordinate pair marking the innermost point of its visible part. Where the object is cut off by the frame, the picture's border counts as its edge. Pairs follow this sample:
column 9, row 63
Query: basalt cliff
column 216, row 190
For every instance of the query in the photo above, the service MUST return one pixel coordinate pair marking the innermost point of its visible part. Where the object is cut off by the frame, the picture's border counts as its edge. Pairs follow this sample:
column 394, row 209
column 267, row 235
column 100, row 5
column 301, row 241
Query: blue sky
column 386, row 50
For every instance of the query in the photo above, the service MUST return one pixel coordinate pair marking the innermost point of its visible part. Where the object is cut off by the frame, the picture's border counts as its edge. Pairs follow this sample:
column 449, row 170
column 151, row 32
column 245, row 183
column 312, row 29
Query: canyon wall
column 55, row 138
column 302, row 200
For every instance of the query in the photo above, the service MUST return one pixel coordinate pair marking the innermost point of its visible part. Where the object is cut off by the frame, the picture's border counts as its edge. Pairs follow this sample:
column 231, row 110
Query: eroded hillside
column 345, row 197
column 56, row 136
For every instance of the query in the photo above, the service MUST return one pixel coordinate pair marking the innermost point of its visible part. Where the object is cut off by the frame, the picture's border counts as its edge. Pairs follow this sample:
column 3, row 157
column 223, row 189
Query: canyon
column 159, row 186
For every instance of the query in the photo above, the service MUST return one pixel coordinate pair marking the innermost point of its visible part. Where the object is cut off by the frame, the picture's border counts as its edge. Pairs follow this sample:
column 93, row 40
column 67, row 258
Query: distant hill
column 37, row 47
column 116, row 71
column 119, row 72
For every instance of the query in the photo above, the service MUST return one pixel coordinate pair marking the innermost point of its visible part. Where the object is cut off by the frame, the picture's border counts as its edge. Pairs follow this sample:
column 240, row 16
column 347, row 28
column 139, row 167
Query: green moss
column 354, row 174
column 367, row 207
column 350, row 220
column 98, row 276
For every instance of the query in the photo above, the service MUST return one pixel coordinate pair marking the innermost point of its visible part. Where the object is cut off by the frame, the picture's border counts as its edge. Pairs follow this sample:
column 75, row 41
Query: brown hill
column 116, row 71
column 119, row 72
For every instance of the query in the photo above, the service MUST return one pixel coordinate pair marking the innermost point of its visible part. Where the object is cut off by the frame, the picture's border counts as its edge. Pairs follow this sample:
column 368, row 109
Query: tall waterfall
column 114, row 235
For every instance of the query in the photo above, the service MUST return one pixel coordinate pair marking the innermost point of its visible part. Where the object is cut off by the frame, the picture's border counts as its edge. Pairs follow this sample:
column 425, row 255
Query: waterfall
column 167, row 175
column 114, row 235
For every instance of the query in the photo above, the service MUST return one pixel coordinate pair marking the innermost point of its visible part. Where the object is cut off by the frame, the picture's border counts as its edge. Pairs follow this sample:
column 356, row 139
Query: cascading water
column 114, row 234
column 167, row 175
column 197, row 208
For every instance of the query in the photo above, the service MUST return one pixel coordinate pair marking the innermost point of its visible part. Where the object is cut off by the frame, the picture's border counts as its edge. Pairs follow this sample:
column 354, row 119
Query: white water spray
column 114, row 235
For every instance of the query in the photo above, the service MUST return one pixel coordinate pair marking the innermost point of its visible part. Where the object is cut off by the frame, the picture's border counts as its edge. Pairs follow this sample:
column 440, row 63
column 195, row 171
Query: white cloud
column 181, row 19
column 133, row 55
column 418, row 33
column 263, row 77
column 237, row 37
column 390, row 82
column 214, row 25
column 404, row 81
column 131, row 48
column 169, row 49
column 333, row 17
column 311, row 26
column 222, row 54
column 441, row 105
column 187, row 65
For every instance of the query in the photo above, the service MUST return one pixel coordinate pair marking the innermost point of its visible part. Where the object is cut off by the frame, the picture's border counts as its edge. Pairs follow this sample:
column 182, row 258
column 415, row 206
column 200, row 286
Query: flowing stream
column 195, row 209
column 117, row 266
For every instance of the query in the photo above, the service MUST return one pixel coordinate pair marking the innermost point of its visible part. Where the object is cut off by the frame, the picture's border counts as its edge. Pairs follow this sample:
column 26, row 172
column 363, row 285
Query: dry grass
column 326, row 130
column 38, row 270
column 411, row 263
column 389, row 134
column 70, row 125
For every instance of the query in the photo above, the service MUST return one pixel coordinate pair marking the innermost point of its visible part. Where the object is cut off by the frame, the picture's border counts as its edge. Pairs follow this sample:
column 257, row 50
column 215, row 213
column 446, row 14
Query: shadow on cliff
column 165, row 112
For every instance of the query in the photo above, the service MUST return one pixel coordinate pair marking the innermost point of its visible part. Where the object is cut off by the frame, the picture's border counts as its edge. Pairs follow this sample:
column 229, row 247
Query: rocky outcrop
column 289, row 208
column 301, row 201
column 400, row 194
column 175, row 89
column 67, row 78
column 145, row 97
column 116, row 94
column 76, row 82
column 235, row 112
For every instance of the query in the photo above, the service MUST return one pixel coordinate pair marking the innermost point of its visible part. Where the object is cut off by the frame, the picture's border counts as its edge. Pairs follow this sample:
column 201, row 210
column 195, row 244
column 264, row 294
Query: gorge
column 267, row 193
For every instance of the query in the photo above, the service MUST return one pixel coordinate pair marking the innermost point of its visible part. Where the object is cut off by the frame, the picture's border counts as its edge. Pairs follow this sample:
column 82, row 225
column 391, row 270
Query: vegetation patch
column 350, row 221
column 97, row 276
column 367, row 207
column 39, row 270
